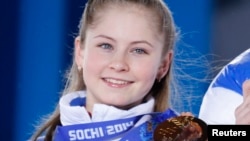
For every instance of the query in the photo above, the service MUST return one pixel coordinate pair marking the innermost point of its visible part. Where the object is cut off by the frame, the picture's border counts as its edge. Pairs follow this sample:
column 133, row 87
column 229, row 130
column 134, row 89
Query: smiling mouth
column 116, row 82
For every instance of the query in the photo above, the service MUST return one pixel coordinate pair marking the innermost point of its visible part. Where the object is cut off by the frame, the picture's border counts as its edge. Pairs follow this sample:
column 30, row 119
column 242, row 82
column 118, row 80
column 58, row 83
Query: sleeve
column 224, row 94
column 218, row 106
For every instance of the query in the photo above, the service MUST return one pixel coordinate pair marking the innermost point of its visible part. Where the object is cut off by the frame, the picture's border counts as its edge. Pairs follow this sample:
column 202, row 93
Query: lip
column 116, row 83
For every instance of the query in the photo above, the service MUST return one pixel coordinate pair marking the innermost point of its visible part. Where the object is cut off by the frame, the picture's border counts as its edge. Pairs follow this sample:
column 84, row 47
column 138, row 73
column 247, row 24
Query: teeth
column 117, row 81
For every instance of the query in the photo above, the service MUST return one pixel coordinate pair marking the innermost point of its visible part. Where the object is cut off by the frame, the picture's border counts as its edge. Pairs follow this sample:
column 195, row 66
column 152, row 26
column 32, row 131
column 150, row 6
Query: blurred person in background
column 227, row 100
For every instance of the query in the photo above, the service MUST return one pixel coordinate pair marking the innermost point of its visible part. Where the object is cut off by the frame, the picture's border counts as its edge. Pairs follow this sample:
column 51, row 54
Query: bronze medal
column 181, row 128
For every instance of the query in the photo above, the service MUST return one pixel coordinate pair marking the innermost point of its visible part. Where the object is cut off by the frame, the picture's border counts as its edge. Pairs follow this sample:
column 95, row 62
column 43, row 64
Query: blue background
column 36, row 40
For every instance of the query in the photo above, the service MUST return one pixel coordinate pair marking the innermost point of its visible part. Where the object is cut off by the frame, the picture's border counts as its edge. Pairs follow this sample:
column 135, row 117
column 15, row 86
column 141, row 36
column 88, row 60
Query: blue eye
column 105, row 46
column 140, row 51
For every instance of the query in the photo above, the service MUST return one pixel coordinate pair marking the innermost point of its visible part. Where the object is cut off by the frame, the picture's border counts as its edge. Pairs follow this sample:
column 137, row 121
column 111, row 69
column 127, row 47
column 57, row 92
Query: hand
column 186, row 114
column 242, row 112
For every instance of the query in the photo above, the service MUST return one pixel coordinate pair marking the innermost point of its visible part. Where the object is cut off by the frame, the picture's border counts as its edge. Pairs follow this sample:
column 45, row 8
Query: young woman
column 118, row 85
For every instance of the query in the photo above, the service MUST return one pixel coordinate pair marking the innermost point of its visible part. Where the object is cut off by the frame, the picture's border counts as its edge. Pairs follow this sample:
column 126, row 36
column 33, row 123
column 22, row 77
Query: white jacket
column 224, row 94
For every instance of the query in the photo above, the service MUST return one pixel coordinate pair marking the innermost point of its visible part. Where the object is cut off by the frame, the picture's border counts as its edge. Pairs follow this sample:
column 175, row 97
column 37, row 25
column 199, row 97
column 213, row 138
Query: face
column 121, row 58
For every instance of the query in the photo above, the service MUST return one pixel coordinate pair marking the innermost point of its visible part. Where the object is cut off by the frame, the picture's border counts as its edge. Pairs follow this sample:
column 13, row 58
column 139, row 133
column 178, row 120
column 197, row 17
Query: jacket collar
column 72, row 110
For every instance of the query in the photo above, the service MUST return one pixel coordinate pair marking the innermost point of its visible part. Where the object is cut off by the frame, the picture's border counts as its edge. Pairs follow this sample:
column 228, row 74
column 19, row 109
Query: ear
column 78, row 52
column 165, row 65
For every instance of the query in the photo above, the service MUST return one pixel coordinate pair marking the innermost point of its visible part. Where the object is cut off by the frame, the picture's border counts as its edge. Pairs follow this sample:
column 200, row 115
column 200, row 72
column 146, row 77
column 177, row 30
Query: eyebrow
column 134, row 42
column 143, row 42
column 104, row 36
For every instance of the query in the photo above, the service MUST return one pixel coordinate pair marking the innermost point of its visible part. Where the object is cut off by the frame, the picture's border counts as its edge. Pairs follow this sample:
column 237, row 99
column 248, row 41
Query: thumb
column 246, row 89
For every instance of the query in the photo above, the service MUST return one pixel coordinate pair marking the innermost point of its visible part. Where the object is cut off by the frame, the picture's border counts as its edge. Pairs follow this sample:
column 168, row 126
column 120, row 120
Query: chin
column 126, row 106
column 121, row 103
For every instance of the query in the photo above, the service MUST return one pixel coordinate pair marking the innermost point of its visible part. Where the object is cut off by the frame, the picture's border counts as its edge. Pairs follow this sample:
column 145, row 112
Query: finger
column 242, row 114
column 243, row 117
column 246, row 89
column 186, row 114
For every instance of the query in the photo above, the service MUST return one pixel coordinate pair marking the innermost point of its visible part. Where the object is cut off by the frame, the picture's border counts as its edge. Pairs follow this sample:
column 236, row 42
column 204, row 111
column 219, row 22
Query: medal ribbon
column 113, row 129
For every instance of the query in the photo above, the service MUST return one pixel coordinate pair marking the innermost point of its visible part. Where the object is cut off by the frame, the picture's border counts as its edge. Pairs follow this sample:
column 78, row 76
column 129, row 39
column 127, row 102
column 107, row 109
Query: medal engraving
column 181, row 128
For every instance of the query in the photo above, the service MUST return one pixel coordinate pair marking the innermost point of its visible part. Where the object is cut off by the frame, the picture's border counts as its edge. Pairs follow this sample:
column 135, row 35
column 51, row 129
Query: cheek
column 146, row 71
column 92, row 62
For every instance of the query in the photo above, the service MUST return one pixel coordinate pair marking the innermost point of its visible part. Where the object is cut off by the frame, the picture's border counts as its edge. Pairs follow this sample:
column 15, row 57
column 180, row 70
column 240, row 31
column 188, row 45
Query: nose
column 119, row 63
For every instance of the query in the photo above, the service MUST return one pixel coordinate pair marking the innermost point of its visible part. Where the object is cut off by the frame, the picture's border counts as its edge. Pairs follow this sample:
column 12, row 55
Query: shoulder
column 234, row 73
column 240, row 62
column 40, row 138
column 169, row 113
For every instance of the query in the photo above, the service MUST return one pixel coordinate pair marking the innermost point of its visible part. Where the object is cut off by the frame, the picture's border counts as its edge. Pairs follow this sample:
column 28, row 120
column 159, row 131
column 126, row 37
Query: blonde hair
column 160, row 90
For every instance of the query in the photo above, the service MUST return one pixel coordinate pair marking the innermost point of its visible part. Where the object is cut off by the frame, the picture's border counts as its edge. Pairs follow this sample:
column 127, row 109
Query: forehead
column 140, row 16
